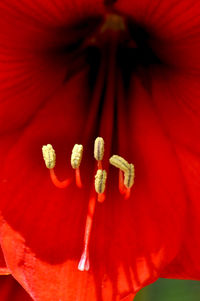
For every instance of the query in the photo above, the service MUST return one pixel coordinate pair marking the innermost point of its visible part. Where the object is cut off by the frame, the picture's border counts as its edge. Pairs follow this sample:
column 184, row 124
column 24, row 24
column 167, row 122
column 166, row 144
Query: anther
column 129, row 180
column 99, row 150
column 76, row 157
column 126, row 180
column 120, row 163
column 100, row 184
column 49, row 156
column 129, row 176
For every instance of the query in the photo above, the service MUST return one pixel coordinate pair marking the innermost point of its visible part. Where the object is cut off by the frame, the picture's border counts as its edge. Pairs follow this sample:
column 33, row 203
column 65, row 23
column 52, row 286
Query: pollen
column 120, row 163
column 49, row 156
column 100, row 181
column 99, row 148
column 129, row 176
column 77, row 154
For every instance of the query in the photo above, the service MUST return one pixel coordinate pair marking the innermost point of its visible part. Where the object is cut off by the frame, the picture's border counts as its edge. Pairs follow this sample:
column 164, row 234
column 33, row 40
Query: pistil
column 84, row 263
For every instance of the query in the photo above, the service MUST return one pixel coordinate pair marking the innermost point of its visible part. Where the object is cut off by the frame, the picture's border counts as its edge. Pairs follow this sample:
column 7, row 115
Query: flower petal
column 179, row 111
column 31, row 68
column 174, row 27
column 182, row 123
column 11, row 290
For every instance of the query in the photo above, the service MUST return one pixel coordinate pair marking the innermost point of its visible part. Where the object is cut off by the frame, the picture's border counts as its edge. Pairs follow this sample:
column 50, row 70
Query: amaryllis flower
column 128, row 72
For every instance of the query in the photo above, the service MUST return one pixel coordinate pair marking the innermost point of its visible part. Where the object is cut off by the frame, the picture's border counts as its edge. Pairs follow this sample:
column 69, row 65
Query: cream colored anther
column 77, row 154
column 119, row 162
column 49, row 156
column 129, row 176
column 100, row 181
column 99, row 148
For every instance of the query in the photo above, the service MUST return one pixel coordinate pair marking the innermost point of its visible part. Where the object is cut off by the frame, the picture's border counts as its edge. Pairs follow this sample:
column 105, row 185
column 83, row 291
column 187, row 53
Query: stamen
column 100, row 184
column 99, row 151
column 84, row 263
column 49, row 156
column 126, row 181
column 76, row 157
column 119, row 162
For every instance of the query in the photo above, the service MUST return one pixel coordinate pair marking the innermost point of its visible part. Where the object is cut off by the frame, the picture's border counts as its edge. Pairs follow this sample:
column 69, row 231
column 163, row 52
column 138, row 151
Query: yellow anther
column 49, row 156
column 76, row 157
column 99, row 148
column 100, row 181
column 120, row 163
column 129, row 176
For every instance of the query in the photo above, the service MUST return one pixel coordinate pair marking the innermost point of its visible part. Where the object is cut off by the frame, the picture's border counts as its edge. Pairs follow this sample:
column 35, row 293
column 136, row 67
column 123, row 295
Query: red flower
column 127, row 71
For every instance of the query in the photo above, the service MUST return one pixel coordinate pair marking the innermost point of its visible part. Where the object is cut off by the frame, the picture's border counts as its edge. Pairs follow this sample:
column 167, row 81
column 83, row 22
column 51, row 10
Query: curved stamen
column 119, row 162
column 49, row 156
column 126, row 174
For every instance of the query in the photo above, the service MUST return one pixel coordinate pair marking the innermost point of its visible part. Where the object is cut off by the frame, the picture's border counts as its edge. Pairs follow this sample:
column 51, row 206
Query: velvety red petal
column 30, row 71
column 175, row 98
column 179, row 110
column 175, row 26
column 11, row 290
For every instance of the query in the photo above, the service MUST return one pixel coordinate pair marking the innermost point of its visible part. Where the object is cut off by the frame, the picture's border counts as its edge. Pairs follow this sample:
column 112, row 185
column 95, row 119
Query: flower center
column 112, row 51
column 126, row 180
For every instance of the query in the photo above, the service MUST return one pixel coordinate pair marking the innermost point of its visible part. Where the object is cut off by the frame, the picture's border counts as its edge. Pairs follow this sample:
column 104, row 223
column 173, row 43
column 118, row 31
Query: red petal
column 179, row 109
column 29, row 73
column 175, row 26
column 11, row 290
